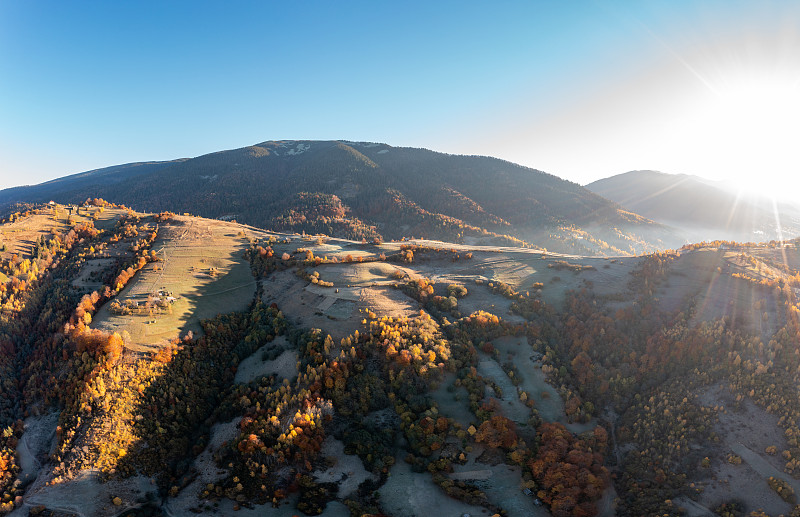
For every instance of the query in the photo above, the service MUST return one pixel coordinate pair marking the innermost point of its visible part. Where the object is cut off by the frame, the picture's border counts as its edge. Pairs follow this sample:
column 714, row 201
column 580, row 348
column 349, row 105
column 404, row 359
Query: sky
column 583, row 89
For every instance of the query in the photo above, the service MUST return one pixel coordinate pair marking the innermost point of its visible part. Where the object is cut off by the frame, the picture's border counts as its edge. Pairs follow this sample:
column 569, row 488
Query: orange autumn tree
column 101, row 345
column 498, row 431
column 570, row 470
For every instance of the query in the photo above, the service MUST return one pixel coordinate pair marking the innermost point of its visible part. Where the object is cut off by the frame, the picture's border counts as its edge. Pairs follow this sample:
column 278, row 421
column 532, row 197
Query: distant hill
column 702, row 209
column 369, row 190
column 69, row 185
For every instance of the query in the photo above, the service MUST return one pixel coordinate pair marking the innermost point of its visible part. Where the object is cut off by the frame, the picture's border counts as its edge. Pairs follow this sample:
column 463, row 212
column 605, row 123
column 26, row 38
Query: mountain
column 67, row 185
column 368, row 190
column 701, row 209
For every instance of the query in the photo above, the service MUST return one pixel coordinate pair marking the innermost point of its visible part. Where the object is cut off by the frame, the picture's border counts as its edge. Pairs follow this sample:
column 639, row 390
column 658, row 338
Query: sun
column 751, row 128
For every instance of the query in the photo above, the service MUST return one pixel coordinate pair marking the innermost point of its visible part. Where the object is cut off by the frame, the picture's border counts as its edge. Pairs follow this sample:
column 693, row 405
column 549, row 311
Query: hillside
column 68, row 185
column 700, row 209
column 156, row 364
column 366, row 190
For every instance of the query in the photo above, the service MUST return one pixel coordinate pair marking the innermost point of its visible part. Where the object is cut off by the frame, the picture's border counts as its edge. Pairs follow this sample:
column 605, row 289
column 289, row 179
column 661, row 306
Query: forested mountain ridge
column 375, row 190
column 82, row 180
column 699, row 208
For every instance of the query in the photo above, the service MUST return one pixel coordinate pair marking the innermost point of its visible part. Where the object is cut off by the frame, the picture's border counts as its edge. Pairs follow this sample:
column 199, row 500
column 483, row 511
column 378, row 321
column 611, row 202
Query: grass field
column 202, row 266
column 20, row 236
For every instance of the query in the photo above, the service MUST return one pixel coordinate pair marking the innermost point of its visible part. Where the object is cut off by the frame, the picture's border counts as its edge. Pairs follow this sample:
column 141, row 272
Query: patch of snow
column 501, row 484
column 207, row 470
column 365, row 145
column 253, row 367
column 414, row 494
column 383, row 151
column 287, row 508
column 37, row 441
column 348, row 471
column 300, row 149
column 86, row 496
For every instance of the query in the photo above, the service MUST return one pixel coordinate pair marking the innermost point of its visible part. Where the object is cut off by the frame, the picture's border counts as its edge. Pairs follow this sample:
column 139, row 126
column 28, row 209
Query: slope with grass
column 327, row 376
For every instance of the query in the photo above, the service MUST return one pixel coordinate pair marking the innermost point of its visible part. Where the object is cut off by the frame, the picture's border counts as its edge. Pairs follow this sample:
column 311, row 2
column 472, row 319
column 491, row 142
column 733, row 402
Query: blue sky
column 580, row 89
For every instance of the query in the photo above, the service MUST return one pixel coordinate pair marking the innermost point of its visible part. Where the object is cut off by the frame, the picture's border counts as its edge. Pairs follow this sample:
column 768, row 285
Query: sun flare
column 751, row 129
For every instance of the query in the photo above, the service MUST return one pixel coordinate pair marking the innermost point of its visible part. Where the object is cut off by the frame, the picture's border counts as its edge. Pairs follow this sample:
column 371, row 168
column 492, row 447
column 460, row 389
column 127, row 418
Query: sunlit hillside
column 176, row 365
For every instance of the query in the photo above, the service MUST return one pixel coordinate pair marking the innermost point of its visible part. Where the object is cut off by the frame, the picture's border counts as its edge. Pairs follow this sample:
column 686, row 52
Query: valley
column 159, row 364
